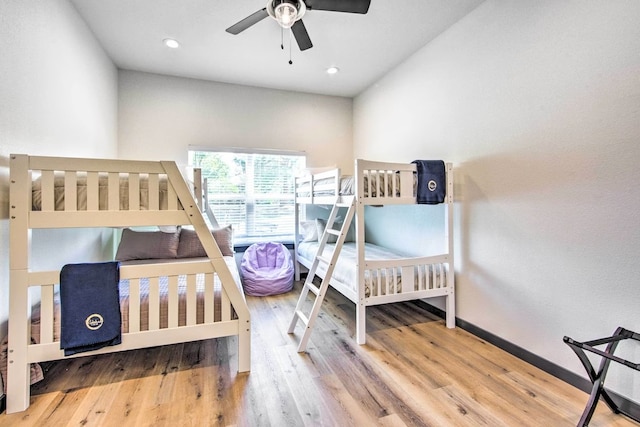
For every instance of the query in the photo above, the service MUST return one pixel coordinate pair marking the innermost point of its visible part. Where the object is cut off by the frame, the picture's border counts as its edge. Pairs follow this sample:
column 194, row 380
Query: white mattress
column 345, row 270
column 144, row 300
column 324, row 187
column 347, row 186
column 103, row 195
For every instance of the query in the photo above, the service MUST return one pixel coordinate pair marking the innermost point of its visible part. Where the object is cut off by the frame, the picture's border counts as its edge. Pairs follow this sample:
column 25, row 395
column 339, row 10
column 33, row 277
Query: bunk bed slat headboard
column 118, row 193
column 379, row 183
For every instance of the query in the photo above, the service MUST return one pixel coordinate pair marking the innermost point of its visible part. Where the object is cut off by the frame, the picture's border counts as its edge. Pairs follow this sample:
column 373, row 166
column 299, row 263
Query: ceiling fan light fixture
column 286, row 14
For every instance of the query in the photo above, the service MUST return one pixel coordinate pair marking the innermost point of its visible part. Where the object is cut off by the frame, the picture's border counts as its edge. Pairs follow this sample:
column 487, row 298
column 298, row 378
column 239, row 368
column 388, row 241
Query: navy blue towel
column 90, row 307
column 432, row 181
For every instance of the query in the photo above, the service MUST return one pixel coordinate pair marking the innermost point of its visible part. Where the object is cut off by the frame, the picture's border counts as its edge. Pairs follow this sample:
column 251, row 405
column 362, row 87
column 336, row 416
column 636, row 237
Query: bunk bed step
column 302, row 317
column 332, row 231
column 324, row 259
column 313, row 288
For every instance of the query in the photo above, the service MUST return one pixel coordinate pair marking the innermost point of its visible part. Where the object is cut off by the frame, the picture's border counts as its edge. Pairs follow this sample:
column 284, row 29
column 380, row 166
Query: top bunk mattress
column 374, row 186
column 103, row 192
column 325, row 187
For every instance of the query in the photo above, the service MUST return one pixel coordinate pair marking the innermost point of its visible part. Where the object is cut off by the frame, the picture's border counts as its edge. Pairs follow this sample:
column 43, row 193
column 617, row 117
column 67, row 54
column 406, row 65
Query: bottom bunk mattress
column 144, row 308
column 377, row 282
column 163, row 292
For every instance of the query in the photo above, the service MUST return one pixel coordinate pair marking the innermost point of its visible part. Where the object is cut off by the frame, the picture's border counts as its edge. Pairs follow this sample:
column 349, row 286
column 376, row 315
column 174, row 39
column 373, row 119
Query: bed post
column 18, row 378
column 448, row 219
column 361, row 308
column 296, row 233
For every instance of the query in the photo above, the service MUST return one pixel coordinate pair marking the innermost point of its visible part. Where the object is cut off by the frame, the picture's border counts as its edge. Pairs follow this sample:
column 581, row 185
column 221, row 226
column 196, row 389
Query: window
column 252, row 191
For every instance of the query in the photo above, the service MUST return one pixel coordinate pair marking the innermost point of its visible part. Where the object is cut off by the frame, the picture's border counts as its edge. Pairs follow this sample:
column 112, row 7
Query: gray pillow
column 147, row 245
column 190, row 246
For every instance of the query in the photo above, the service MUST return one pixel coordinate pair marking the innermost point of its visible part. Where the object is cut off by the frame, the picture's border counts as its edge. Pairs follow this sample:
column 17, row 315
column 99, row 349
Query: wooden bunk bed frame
column 181, row 209
column 371, row 180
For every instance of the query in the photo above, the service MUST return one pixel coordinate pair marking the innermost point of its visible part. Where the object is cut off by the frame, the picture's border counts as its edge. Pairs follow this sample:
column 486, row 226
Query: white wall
column 538, row 106
column 161, row 116
column 58, row 95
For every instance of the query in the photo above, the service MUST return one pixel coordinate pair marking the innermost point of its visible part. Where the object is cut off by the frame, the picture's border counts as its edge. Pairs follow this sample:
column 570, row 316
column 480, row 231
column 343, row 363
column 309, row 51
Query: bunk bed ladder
column 330, row 261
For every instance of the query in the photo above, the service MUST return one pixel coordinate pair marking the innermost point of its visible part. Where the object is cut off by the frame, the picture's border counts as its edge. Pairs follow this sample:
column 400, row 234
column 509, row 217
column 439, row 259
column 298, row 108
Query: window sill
column 242, row 246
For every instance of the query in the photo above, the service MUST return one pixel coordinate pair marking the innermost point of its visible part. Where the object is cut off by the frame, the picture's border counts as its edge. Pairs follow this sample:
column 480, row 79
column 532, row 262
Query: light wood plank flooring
column 412, row 372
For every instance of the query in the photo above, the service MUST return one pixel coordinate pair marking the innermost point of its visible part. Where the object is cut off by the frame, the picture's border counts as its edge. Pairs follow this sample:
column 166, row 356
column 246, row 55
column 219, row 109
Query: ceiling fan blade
column 248, row 21
column 301, row 35
column 350, row 6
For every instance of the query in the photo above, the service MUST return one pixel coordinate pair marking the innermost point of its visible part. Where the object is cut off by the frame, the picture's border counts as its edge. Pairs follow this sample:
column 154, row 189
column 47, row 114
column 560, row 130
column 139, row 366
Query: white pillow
column 309, row 231
column 169, row 228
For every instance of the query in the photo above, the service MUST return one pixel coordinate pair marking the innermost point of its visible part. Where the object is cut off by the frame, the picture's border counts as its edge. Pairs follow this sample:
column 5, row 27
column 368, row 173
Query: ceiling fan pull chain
column 281, row 38
column 290, row 61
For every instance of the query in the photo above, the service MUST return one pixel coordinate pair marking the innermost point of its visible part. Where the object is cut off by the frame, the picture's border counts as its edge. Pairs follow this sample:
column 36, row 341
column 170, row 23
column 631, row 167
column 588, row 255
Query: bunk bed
column 163, row 301
column 364, row 273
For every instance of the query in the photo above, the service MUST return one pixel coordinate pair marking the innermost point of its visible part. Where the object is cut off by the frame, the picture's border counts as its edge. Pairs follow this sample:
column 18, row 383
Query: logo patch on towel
column 432, row 185
column 94, row 321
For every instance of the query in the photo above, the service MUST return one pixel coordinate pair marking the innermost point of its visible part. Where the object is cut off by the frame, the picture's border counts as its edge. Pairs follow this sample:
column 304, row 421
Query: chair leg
column 596, row 391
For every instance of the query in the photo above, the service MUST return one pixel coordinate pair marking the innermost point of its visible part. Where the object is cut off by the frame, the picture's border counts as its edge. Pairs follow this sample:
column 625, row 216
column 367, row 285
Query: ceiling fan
column 289, row 13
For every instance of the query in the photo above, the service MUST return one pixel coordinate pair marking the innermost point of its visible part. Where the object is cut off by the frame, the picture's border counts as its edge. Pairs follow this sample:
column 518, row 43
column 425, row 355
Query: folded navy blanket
column 90, row 307
column 432, row 181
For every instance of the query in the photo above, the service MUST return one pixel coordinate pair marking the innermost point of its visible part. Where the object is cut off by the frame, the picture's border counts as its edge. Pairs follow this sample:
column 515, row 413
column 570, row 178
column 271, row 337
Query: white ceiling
column 364, row 47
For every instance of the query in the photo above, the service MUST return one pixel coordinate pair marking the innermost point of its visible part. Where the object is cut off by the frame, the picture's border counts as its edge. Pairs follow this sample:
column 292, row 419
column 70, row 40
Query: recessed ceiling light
column 332, row 70
column 173, row 44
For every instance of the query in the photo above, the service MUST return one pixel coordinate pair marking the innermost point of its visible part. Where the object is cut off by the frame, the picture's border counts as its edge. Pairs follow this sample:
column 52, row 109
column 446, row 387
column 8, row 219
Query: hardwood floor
column 412, row 372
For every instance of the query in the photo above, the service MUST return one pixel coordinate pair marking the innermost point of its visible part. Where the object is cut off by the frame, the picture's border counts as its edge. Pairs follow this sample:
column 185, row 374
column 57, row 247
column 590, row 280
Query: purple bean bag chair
column 267, row 269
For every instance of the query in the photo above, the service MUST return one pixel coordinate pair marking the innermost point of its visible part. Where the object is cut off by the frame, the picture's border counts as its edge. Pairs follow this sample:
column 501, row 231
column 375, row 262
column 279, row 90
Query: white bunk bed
column 366, row 274
column 172, row 301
